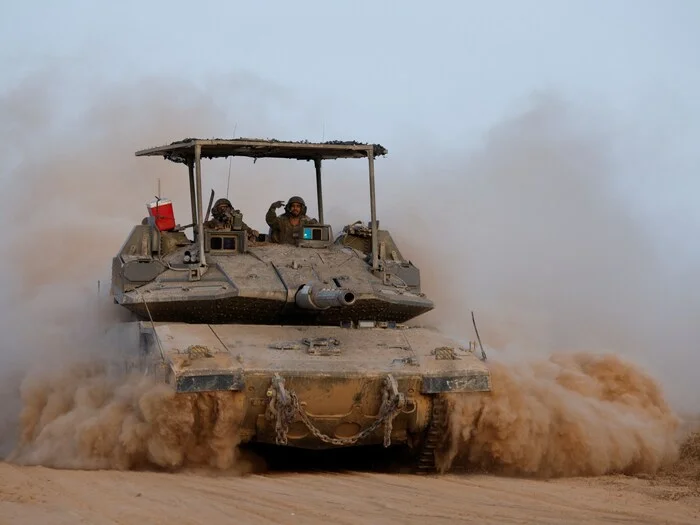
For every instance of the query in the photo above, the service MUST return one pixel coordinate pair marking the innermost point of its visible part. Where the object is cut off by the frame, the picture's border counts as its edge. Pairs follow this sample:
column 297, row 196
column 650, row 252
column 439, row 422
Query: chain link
column 283, row 407
column 280, row 409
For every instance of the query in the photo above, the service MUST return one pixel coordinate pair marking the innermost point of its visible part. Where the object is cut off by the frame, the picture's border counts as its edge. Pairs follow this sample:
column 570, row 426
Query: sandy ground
column 30, row 495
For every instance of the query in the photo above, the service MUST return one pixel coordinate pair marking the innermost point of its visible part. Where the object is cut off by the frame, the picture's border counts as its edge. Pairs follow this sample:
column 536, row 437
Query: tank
column 318, row 333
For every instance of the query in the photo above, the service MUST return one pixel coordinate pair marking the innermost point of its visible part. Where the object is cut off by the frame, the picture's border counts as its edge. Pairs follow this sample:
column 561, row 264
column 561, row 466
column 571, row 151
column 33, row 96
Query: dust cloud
column 543, row 230
column 569, row 415
column 81, row 417
column 575, row 287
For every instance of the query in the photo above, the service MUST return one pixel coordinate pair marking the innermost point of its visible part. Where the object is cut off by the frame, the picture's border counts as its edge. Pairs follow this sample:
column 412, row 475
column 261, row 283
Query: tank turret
column 225, row 276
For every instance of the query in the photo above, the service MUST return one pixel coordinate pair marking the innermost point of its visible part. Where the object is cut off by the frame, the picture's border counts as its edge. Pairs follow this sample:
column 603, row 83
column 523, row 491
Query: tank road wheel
column 433, row 436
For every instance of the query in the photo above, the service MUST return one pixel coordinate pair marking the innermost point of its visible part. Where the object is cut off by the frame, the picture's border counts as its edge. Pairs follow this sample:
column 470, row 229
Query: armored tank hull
column 310, row 334
column 316, row 387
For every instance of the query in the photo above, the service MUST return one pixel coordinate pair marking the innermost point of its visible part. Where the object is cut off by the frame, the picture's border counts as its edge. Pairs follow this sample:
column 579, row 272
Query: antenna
column 228, row 183
column 158, row 194
column 483, row 354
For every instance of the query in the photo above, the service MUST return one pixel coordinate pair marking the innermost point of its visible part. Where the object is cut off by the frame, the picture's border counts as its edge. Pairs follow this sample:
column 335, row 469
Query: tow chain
column 285, row 405
column 280, row 408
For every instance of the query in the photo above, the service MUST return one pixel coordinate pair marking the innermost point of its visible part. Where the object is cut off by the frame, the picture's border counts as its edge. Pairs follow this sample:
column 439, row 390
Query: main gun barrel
column 315, row 297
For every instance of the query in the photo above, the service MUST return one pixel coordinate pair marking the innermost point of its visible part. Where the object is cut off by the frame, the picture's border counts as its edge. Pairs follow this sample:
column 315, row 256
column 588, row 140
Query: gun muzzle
column 315, row 297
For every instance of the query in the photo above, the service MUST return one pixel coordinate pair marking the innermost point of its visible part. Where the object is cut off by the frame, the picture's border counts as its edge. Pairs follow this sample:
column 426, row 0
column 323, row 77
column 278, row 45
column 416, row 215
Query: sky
column 444, row 69
column 555, row 140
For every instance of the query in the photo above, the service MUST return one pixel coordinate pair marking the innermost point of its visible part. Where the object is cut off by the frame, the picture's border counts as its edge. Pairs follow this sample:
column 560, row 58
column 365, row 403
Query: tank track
column 433, row 435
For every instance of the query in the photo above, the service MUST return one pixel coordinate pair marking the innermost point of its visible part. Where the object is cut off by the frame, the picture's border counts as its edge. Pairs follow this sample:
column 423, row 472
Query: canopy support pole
column 193, row 199
column 200, row 218
column 373, row 211
column 319, row 190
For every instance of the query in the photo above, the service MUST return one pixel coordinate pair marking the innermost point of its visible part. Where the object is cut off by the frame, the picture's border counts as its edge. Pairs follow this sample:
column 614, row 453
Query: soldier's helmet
column 218, row 209
column 297, row 199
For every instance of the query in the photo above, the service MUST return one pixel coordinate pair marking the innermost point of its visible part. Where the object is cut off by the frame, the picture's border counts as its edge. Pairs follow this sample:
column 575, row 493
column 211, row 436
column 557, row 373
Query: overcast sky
column 449, row 69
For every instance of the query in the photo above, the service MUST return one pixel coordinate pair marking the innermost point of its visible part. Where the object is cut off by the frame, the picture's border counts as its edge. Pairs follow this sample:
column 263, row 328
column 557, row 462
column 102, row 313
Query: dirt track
column 42, row 495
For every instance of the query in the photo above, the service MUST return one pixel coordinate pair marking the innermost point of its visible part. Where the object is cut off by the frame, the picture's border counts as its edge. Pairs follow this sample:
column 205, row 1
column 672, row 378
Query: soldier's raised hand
column 277, row 204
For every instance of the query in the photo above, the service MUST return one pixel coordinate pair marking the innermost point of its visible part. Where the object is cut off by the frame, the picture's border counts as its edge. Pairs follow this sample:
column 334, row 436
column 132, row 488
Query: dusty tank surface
column 313, row 332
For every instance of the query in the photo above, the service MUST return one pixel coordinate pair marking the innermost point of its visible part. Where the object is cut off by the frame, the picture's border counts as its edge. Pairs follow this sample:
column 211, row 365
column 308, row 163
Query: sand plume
column 569, row 415
column 83, row 418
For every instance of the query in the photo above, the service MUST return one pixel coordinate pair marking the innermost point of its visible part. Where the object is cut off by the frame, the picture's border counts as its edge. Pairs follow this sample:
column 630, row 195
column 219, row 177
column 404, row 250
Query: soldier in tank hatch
column 282, row 227
column 224, row 216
